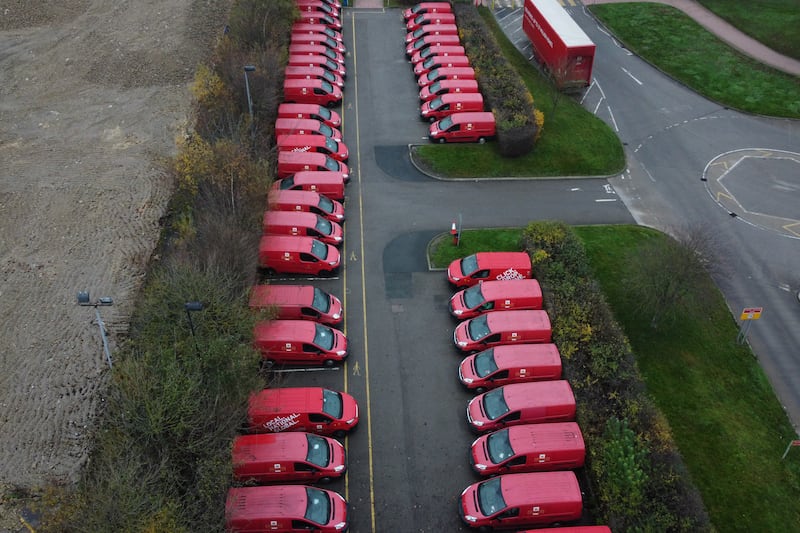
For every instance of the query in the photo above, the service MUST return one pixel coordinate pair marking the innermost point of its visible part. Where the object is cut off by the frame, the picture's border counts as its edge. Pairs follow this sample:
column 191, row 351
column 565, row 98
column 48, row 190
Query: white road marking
column 631, row 75
column 616, row 129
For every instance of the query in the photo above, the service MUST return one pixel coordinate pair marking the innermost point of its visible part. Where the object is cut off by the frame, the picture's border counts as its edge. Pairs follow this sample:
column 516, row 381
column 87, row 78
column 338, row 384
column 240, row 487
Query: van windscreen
column 327, row 87
column 470, row 263
column 324, row 112
column 318, row 450
column 324, row 128
column 436, row 103
column 444, row 124
column 490, row 497
column 473, row 297
column 323, row 336
column 495, row 404
column 331, row 164
column 323, row 226
column 332, row 146
column 332, row 403
column 478, row 328
column 499, row 446
column 485, row 363
column 321, row 301
column 319, row 249
column 325, row 204
column 318, row 507
column 287, row 183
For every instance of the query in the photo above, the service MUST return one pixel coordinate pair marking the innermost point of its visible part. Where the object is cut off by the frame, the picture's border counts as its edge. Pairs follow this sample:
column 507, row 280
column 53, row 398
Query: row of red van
column 289, row 429
column 448, row 90
column 525, row 412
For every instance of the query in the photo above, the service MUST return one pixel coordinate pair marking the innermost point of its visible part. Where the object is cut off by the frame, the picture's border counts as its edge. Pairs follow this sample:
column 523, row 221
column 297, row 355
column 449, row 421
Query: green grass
column 729, row 426
column 772, row 22
column 686, row 51
column 573, row 143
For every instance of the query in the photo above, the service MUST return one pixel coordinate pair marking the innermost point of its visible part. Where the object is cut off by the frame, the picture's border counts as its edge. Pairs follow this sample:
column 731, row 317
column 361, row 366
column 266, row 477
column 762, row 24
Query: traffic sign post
column 789, row 447
column 748, row 315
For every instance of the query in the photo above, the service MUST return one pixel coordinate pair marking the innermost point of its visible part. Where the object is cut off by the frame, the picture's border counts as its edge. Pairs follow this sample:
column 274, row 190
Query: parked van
column 510, row 363
column 522, row 403
column 424, row 19
column 434, row 62
column 313, row 409
column 429, row 92
column 299, row 342
column 318, row 6
column 471, row 269
column 313, row 73
column 315, row 50
column 438, row 50
column 305, row 126
column 315, row 111
column 431, row 29
column 446, row 73
column 318, row 38
column 304, row 27
column 311, row 91
column 496, row 295
column 306, row 201
column 292, row 456
column 297, row 255
column 512, row 501
column 316, row 60
column 298, row 302
column 318, row 17
column 290, row 162
column 529, row 448
column 450, row 103
column 427, row 7
column 464, row 127
column 331, row 184
column 313, row 144
column 432, row 40
column 284, row 509
column 306, row 224
column 502, row 327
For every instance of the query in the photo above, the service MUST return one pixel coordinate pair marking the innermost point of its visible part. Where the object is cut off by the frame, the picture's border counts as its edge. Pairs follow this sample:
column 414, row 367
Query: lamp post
column 84, row 300
column 192, row 307
column 249, row 68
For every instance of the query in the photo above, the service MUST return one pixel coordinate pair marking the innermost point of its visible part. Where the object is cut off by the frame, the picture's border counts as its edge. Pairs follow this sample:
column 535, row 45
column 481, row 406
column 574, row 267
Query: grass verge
column 679, row 46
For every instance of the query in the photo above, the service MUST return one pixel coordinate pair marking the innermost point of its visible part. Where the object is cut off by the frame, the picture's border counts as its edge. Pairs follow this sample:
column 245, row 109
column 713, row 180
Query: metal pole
column 103, row 336
column 248, row 68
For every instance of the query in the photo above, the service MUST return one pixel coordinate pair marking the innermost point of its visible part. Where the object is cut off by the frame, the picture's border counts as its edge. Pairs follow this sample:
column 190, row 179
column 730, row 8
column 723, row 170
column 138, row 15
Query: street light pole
column 249, row 68
column 84, row 300
column 192, row 307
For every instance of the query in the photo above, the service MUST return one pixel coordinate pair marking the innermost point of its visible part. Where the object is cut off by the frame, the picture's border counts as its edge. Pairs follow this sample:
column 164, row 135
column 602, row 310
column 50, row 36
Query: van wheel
column 328, row 362
column 485, row 529
column 482, row 140
column 269, row 271
column 325, row 480
column 267, row 364
column 431, row 120
column 441, row 140
column 480, row 390
column 339, row 434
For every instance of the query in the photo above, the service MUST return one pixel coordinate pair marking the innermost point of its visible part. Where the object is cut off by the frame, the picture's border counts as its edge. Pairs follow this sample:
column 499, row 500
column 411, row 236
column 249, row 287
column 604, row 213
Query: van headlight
column 339, row 468
column 477, row 423
column 467, row 380
column 348, row 422
column 458, row 312
column 470, row 518
column 336, row 316
column 480, row 466
column 462, row 343
column 340, row 526
column 341, row 353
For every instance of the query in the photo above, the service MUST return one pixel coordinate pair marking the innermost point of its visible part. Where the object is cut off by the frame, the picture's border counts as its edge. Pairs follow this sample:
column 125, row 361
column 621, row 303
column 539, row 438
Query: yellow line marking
column 729, row 197
column 788, row 227
column 353, row 256
column 356, row 369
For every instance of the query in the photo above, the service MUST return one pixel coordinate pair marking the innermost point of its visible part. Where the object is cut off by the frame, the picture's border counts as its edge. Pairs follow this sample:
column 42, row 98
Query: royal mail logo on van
column 281, row 423
column 510, row 274
column 301, row 149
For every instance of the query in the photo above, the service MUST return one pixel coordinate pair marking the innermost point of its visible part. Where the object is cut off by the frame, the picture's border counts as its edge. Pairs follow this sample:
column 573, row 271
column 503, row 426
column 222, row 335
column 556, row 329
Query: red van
column 510, row 363
column 292, row 456
column 305, row 126
column 284, row 509
column 307, row 224
column 304, row 27
column 496, row 295
column 434, row 62
column 424, row 19
column 432, row 40
column 446, row 73
column 315, row 50
column 512, row 501
column 529, row 448
column 318, row 17
column 297, row 255
column 463, row 127
column 429, row 92
column 313, row 73
column 306, row 60
column 437, row 50
column 469, row 270
column 427, row 7
column 315, row 111
column 318, row 6
column 318, row 38
column 331, row 184
column 431, row 29
column 298, row 302
column 502, row 327
column 311, row 91
column 447, row 104
column 306, row 201
column 522, row 403
column 314, row 144
column 313, row 409
column 291, row 162
column 299, row 342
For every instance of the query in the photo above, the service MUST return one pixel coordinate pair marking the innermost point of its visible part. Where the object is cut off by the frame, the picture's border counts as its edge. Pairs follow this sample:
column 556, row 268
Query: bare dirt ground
column 93, row 94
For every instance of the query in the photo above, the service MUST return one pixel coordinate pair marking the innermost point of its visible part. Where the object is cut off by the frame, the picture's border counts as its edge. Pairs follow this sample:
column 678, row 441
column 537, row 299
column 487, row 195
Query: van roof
column 287, row 156
column 284, row 330
column 290, row 218
column 283, row 399
column 302, row 140
column 450, row 84
column 486, row 259
column 267, row 502
column 308, row 83
column 299, row 108
column 540, row 488
column 509, row 288
column 529, row 438
column 520, row 355
column 285, row 446
column 555, row 392
column 318, row 176
column 515, row 320
column 270, row 294
column 480, row 116
column 285, row 243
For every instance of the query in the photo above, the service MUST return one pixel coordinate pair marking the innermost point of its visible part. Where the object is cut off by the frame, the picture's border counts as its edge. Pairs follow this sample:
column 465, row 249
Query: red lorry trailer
column 559, row 43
